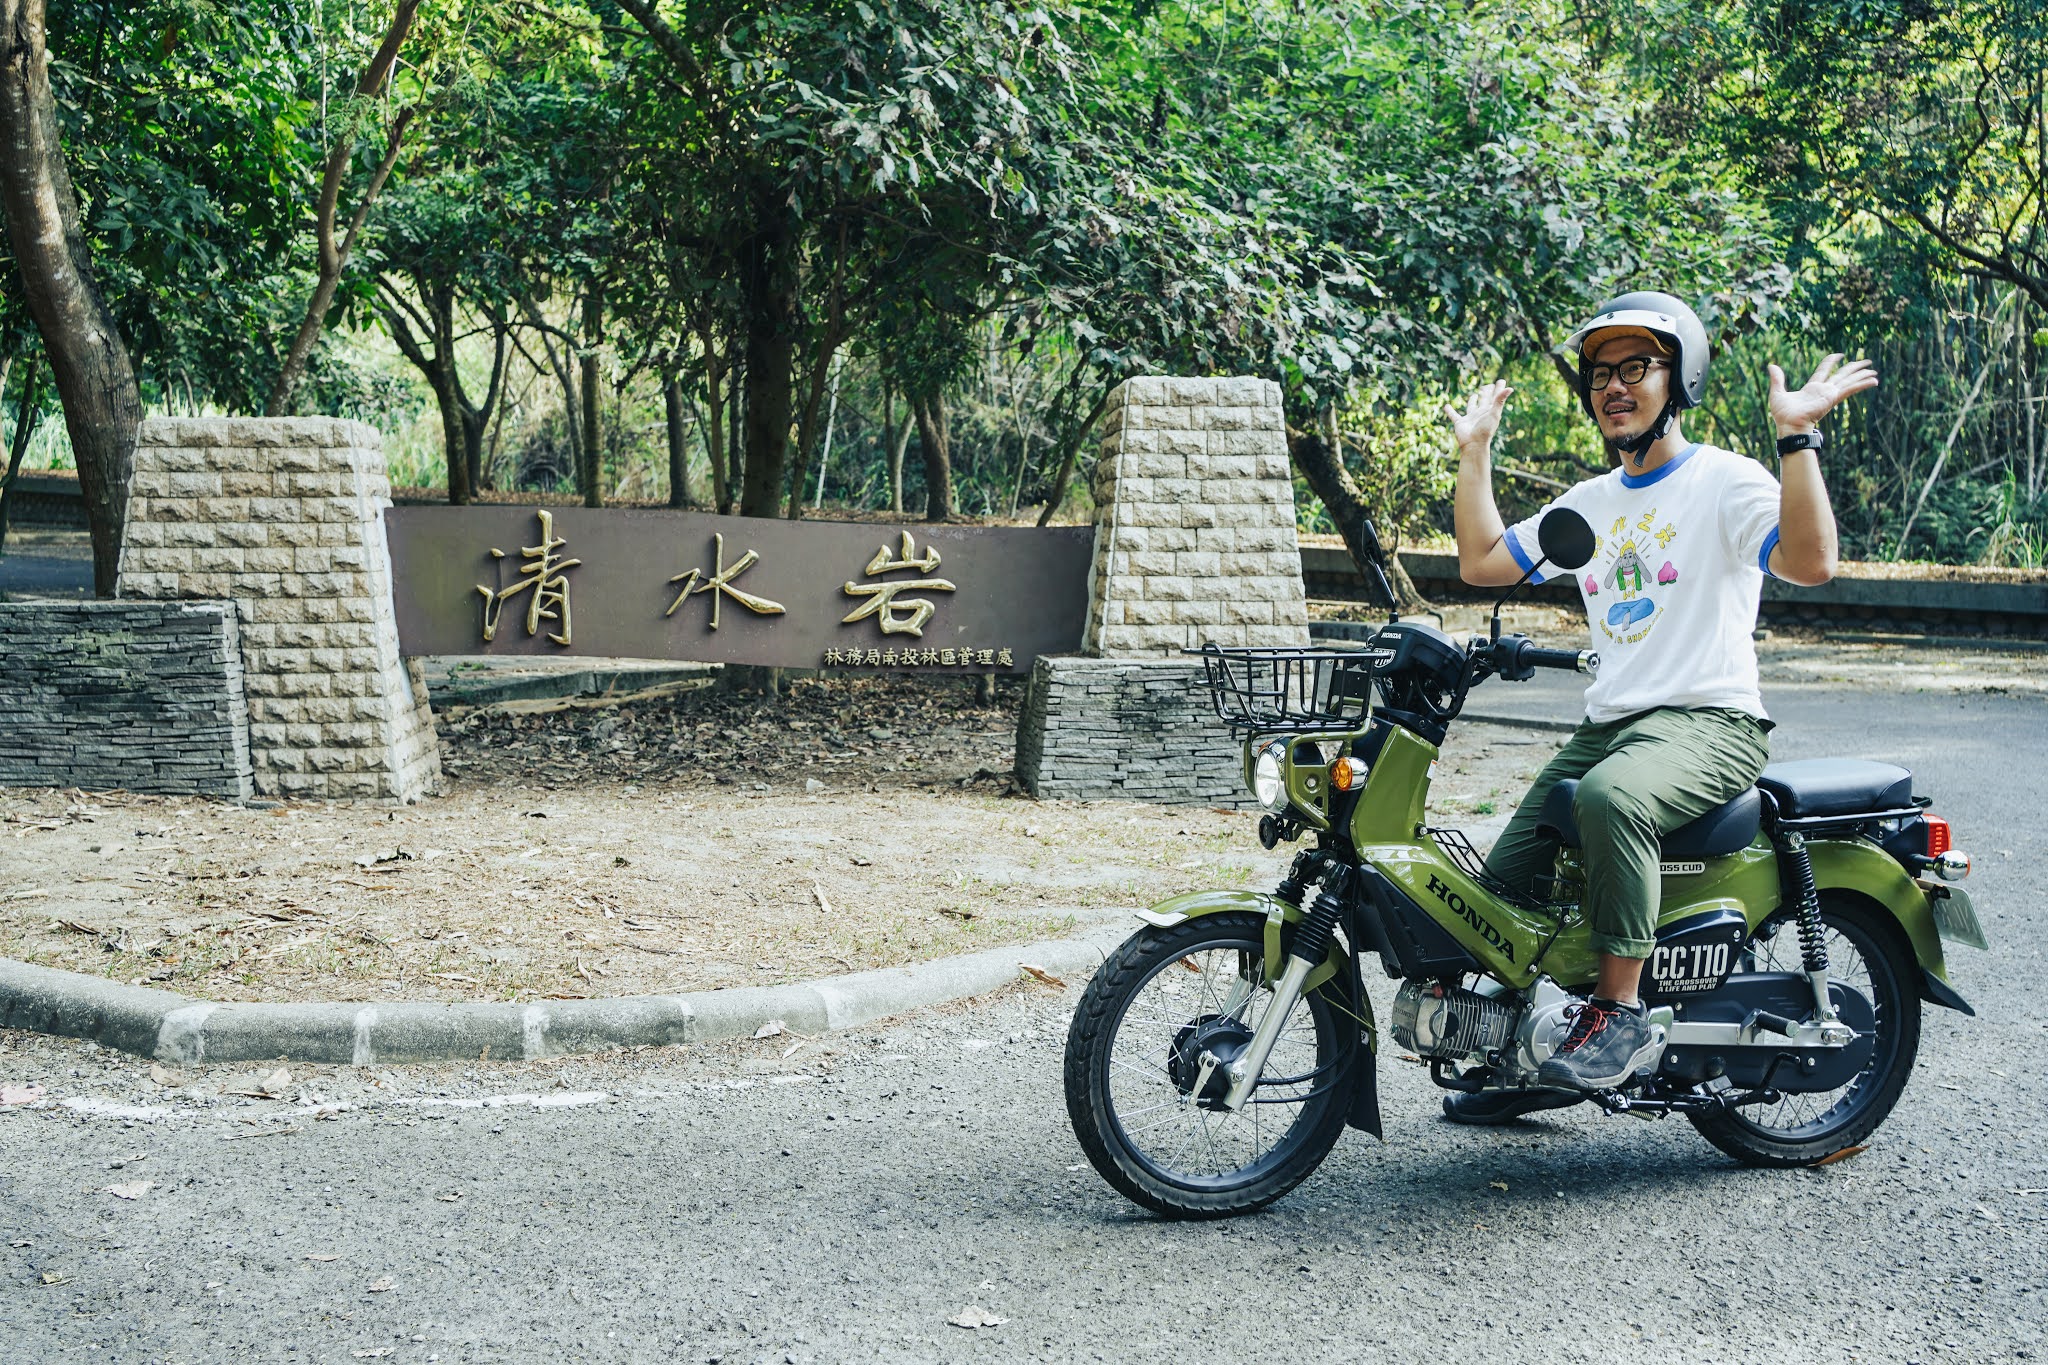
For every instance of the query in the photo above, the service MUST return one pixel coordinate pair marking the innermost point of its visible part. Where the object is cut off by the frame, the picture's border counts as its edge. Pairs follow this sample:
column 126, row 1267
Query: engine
column 1448, row 1023
column 1514, row 1031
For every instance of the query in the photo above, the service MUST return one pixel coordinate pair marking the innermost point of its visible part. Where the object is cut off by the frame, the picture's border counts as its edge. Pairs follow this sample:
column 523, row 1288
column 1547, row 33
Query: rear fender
column 1861, row 867
column 1277, row 912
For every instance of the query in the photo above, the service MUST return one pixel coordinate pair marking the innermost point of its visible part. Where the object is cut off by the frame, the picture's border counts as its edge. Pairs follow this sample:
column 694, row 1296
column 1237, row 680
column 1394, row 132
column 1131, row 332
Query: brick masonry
column 1194, row 537
column 145, row 696
column 284, row 517
column 1194, row 545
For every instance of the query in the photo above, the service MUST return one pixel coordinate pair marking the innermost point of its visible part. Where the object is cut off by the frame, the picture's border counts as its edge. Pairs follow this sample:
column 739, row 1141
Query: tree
column 88, row 358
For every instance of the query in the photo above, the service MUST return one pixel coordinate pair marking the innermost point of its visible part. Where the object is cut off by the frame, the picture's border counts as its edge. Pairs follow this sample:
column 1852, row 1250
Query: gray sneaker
column 1607, row 1044
column 1492, row 1108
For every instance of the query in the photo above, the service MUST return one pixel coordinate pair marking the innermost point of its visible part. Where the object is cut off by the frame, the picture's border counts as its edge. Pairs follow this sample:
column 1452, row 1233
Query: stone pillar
column 285, row 517
column 1194, row 545
column 1194, row 498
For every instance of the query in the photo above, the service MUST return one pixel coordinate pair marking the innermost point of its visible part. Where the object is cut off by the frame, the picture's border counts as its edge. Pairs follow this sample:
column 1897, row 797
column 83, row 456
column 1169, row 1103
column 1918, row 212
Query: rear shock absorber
column 1797, row 865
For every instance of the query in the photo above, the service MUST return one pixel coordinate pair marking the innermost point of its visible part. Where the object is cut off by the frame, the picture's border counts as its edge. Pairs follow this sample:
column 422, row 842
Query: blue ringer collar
column 1629, row 480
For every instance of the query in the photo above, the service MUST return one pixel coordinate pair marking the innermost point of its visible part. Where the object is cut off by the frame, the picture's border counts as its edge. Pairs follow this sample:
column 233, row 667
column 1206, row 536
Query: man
column 1674, row 722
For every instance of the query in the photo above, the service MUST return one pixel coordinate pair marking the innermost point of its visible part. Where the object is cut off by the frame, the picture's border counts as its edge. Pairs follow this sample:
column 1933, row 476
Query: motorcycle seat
column 1727, row 828
column 1836, row 786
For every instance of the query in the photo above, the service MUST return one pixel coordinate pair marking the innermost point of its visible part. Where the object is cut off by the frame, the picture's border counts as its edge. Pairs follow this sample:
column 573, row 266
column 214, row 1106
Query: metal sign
column 631, row 583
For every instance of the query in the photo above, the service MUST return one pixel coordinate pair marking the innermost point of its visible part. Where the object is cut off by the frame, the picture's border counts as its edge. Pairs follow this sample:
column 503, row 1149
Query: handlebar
column 1575, row 660
column 1516, row 657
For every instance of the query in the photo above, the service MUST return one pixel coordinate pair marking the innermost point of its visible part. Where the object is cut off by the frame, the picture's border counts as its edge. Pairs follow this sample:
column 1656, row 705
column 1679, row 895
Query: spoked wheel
column 1865, row 956
column 1149, row 1118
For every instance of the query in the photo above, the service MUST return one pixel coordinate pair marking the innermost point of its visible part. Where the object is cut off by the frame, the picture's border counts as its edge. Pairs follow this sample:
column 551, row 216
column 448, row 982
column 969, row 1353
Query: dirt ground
column 689, row 839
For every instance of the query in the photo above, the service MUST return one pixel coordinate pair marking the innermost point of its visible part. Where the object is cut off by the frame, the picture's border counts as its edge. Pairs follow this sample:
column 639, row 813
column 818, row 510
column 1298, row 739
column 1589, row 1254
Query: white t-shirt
column 1671, row 591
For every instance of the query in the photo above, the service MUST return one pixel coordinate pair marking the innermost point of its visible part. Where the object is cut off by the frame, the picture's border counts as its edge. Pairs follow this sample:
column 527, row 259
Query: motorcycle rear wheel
column 1866, row 953
column 1134, row 1090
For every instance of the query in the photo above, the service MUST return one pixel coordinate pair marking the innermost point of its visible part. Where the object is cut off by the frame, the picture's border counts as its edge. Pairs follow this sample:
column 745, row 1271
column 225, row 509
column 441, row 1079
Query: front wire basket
column 1292, row 688
column 1551, row 897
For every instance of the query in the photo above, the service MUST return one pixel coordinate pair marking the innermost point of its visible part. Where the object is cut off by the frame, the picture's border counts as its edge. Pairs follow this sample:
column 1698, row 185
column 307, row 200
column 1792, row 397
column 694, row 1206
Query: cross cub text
column 1220, row 1051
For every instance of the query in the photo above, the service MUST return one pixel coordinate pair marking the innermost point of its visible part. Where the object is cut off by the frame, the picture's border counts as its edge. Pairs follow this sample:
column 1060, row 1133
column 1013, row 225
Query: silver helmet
column 1660, row 316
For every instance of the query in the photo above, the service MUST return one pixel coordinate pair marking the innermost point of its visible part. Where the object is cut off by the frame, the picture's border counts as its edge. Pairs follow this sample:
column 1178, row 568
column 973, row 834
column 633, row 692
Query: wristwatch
column 1801, row 440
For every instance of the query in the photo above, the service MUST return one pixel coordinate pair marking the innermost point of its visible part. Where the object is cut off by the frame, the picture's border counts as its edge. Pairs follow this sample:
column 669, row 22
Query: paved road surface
column 844, row 1201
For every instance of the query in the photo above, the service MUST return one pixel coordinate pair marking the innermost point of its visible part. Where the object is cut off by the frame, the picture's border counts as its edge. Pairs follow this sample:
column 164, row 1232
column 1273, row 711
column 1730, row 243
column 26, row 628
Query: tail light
column 1937, row 835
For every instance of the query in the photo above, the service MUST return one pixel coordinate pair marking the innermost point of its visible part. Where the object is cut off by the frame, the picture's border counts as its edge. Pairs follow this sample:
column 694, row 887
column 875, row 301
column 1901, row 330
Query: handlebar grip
column 1577, row 660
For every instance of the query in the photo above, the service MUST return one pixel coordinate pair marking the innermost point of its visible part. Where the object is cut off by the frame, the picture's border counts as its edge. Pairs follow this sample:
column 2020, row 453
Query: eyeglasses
column 1629, row 371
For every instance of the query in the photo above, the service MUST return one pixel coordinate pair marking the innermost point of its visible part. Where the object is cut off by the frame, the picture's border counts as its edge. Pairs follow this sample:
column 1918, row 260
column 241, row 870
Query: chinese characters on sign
column 550, row 600
column 720, row 585
column 765, row 591
column 881, row 597
column 919, row 658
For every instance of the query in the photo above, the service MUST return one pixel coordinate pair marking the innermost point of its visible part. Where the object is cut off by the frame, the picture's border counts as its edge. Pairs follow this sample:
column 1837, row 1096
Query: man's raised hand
column 1476, row 425
column 1801, row 410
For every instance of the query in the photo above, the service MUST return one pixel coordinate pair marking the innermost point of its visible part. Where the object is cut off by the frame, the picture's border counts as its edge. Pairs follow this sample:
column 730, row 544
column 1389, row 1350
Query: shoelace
column 1587, row 1020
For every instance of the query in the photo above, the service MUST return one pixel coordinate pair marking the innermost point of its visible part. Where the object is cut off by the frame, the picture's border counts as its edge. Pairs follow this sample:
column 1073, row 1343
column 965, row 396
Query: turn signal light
column 1937, row 835
column 1347, row 774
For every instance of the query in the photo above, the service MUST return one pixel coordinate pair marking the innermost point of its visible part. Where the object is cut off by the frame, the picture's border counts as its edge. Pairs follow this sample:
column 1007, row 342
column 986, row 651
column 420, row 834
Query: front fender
column 1194, row 904
column 1854, row 865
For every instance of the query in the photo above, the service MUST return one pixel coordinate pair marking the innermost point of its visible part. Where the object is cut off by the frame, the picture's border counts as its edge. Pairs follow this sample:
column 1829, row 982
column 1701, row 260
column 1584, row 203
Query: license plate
column 1955, row 919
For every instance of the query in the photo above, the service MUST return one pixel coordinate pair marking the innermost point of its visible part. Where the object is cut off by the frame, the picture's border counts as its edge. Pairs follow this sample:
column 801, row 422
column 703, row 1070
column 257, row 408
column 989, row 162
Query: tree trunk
column 816, row 381
column 589, row 478
column 938, row 456
column 897, row 439
column 735, row 436
column 332, row 254
column 1324, row 469
column 769, row 289
column 714, row 439
column 95, row 381
column 1070, row 453
column 678, row 452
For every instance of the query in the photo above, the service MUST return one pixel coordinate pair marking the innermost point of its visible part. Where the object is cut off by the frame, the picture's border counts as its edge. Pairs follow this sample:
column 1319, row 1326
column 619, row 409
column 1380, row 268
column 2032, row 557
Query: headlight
column 1267, row 783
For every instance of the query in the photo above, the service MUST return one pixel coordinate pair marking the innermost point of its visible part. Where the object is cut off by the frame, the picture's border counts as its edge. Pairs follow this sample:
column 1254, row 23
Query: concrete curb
column 182, row 1031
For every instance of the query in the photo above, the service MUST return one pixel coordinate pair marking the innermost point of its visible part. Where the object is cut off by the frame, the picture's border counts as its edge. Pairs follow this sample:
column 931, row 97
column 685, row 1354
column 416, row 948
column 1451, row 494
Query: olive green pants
column 1639, row 778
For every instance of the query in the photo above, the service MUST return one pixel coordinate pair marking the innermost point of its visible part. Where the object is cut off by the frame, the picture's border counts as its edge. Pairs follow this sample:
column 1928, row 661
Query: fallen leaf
column 20, row 1094
column 950, row 912
column 52, row 1277
column 289, row 1128
column 373, row 1352
column 134, row 1189
column 1498, row 1184
column 323, row 1258
column 382, row 1283
column 974, row 1315
column 1041, row 974
column 859, row 861
column 818, row 895
column 450, row 1197
column 771, row 1029
column 1842, row 1155
column 164, row 1076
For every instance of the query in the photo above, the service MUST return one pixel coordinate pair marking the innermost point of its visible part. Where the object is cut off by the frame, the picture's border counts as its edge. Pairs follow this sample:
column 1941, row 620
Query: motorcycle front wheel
column 1149, row 1119
column 1866, row 954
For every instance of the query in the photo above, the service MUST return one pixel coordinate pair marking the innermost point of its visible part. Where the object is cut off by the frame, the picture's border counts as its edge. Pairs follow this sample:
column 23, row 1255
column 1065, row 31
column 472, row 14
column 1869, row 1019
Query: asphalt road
column 844, row 1201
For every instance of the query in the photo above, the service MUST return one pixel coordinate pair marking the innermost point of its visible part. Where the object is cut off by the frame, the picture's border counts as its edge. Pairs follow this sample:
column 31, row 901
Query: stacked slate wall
column 145, row 696
column 1131, row 729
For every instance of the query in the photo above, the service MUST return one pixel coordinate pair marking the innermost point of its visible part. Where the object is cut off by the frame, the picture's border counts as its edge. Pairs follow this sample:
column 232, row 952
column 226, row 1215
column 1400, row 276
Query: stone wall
column 284, row 516
column 1194, row 505
column 1135, row 729
column 142, row 695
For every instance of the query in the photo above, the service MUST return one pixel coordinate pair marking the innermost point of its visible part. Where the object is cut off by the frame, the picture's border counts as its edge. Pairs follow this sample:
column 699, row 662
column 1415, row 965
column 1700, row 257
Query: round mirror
column 1566, row 539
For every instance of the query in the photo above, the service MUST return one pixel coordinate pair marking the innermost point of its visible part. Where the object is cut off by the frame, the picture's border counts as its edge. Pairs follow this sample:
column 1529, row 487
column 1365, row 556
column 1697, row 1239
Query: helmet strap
column 1637, row 447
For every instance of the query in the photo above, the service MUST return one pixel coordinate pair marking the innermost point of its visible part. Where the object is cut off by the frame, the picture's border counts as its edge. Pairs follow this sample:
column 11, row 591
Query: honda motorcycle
column 1218, row 1054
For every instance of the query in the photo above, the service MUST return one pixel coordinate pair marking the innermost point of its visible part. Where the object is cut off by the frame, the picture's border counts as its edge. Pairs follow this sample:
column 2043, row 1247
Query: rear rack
column 1293, row 688
column 1550, row 897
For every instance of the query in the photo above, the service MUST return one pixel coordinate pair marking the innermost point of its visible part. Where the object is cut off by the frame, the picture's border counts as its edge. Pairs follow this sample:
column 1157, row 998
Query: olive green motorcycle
column 1218, row 1054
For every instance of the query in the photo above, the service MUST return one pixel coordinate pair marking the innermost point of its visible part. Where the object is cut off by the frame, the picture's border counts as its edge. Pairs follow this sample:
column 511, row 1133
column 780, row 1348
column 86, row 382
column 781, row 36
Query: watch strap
column 1798, row 441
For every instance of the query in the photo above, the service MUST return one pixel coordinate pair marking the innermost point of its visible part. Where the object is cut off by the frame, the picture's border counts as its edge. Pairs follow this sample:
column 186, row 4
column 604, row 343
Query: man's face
column 1623, row 409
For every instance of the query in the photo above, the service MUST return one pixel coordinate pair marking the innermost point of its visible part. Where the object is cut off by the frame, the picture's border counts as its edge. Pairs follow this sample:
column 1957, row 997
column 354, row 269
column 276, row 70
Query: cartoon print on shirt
column 1631, row 617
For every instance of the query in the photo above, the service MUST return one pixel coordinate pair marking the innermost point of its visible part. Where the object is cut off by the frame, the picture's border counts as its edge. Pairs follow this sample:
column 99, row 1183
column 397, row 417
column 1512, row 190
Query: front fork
column 1311, row 945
